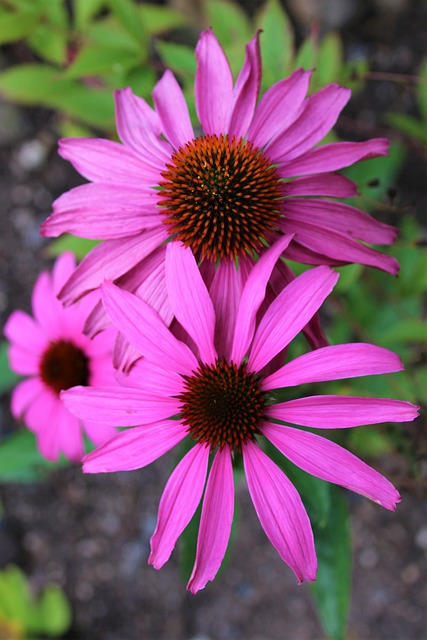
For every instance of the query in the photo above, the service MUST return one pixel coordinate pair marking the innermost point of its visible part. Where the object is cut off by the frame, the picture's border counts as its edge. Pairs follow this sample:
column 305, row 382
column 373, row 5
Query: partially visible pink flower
column 221, row 396
column 253, row 174
column 53, row 351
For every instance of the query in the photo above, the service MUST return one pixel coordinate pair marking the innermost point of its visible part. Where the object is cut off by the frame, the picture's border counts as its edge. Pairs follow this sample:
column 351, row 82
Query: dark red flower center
column 221, row 197
column 64, row 365
column 222, row 404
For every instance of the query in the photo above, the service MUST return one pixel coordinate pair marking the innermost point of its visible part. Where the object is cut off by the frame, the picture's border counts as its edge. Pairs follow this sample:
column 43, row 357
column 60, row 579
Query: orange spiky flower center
column 221, row 197
column 64, row 365
column 222, row 404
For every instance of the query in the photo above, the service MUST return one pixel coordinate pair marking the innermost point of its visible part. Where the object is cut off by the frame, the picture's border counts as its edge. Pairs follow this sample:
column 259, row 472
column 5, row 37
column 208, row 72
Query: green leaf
column 330, row 60
column 128, row 14
column 229, row 23
column 410, row 330
column 307, row 54
column 331, row 590
column 84, row 11
column 96, row 59
column 29, row 83
column 20, row 460
column 178, row 57
column 55, row 612
column 14, row 594
column 16, row 25
column 79, row 246
column 157, row 19
column 8, row 378
column 277, row 42
column 50, row 39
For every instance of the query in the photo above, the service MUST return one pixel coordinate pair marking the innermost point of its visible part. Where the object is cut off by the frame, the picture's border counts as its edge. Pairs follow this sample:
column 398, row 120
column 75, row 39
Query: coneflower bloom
column 221, row 397
column 53, row 351
column 254, row 173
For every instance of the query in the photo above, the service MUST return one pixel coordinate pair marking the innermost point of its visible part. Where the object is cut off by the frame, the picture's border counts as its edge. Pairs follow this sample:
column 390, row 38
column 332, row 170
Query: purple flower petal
column 213, row 86
column 119, row 406
column 135, row 448
column 245, row 93
column 178, row 504
column 327, row 460
column 189, row 299
column 172, row 110
column 289, row 313
column 281, row 512
column 334, row 363
column 143, row 327
column 215, row 522
column 342, row 412
column 332, row 185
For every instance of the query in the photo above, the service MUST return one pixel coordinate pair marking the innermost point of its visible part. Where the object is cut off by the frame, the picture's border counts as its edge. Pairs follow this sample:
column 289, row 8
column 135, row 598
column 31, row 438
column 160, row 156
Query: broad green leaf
column 141, row 80
column 178, row 57
column 409, row 330
column 128, row 14
column 84, row 11
column 79, row 246
column 157, row 19
column 67, row 128
column 330, row 60
column 331, row 590
column 20, row 460
column 50, row 39
column 14, row 594
column 8, row 378
column 96, row 59
column 109, row 32
column 229, row 23
column 94, row 107
column 307, row 55
column 55, row 611
column 368, row 441
column 277, row 42
column 16, row 25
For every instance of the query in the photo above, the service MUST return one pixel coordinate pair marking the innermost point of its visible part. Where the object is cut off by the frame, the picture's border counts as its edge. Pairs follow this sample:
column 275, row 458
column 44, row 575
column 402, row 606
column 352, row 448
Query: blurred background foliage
column 72, row 54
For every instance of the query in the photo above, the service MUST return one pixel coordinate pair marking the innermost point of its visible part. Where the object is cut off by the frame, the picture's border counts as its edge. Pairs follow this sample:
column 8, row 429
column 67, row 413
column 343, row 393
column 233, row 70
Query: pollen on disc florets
column 221, row 197
column 222, row 404
column 64, row 365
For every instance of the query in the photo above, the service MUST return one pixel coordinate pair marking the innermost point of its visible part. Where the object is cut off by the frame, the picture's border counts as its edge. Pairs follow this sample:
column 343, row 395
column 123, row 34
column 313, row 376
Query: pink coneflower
column 222, row 397
column 253, row 174
column 53, row 351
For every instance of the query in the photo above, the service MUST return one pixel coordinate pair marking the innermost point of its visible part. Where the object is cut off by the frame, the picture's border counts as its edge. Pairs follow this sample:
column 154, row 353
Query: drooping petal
column 119, row 406
column 334, row 156
column 252, row 296
column 109, row 260
column 341, row 412
column 333, row 363
column 108, row 162
column 24, row 394
column 100, row 211
column 332, row 185
column 278, row 107
column 190, row 300
column 340, row 217
column 135, row 448
column 327, row 460
column 225, row 292
column 215, row 522
column 319, row 114
column 245, row 92
column 289, row 313
column 331, row 245
column 62, row 270
column 172, row 110
column 22, row 362
column 144, row 328
column 281, row 512
column 43, row 418
column 213, row 87
column 178, row 504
